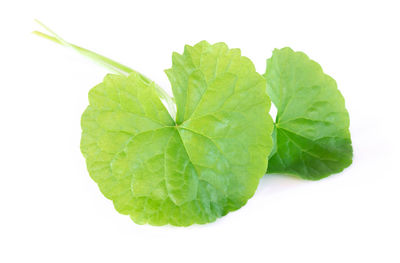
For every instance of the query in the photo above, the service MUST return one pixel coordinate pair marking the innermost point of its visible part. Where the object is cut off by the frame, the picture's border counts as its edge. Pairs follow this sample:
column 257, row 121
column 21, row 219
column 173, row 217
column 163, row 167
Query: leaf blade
column 160, row 172
column 312, row 121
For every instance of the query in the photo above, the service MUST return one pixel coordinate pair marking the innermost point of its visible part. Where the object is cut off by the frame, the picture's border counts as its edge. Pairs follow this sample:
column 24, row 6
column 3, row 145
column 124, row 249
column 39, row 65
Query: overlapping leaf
column 311, row 135
column 195, row 169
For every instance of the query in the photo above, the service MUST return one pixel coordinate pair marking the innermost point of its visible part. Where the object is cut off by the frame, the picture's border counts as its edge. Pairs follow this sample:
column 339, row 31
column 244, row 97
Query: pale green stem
column 110, row 64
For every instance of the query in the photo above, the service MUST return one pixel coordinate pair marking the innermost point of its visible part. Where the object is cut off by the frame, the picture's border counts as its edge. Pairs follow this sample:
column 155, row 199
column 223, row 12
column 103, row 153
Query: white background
column 50, row 209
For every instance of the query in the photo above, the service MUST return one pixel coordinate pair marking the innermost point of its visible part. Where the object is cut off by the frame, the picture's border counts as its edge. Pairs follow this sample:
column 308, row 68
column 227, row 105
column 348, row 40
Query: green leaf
column 196, row 169
column 311, row 134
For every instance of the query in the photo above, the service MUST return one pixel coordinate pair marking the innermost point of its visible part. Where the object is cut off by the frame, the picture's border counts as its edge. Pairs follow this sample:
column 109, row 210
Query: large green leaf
column 311, row 135
column 196, row 169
